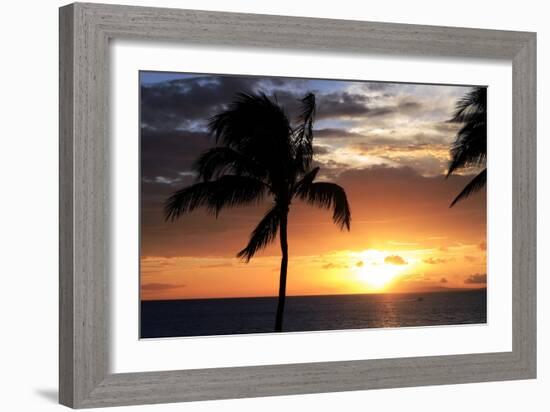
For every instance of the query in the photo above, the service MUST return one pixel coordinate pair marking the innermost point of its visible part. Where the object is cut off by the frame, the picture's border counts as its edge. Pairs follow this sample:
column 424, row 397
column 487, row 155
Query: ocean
column 204, row 317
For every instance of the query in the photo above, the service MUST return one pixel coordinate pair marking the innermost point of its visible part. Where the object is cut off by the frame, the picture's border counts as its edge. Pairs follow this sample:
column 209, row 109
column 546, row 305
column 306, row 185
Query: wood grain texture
column 524, row 225
column 85, row 31
column 66, row 229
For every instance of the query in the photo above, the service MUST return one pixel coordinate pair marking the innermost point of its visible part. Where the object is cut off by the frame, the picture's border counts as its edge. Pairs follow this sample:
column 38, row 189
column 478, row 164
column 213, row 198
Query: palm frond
column 257, row 127
column 222, row 160
column 263, row 234
column 303, row 134
column 469, row 147
column 227, row 191
column 302, row 186
column 476, row 184
column 471, row 106
column 329, row 196
column 251, row 120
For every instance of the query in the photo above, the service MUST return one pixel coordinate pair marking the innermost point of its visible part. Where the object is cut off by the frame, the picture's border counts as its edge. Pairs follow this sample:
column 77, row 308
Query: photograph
column 281, row 204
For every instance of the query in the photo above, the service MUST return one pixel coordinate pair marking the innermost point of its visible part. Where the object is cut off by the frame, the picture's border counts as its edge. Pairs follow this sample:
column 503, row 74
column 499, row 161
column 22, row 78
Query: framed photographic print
column 243, row 196
column 253, row 157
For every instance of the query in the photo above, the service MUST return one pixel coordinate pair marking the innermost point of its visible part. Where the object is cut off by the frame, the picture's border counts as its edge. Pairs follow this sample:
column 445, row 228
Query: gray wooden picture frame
column 85, row 31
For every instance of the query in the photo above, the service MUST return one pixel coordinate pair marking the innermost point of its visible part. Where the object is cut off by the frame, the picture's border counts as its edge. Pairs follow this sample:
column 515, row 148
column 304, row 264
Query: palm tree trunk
column 282, row 278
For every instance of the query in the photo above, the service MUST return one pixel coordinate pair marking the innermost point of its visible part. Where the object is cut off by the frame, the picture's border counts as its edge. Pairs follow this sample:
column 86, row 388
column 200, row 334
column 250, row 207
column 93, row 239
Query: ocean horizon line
column 443, row 290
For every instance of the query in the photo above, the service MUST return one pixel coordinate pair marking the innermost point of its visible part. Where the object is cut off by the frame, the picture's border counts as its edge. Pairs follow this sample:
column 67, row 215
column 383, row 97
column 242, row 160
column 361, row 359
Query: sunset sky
column 387, row 144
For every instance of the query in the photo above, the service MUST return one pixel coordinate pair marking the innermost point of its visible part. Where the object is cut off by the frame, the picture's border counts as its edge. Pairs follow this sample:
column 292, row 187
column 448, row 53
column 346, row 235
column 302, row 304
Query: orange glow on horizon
column 396, row 269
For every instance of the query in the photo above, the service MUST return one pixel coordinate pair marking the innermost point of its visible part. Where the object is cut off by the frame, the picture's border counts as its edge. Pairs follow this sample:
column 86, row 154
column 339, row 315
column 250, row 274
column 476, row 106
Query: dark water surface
column 200, row 317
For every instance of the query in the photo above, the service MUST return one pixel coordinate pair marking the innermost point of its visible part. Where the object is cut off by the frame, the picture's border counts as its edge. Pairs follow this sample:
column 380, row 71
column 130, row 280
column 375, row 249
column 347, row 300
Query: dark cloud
column 320, row 150
column 395, row 260
column 352, row 105
column 483, row 245
column 189, row 103
column 476, row 279
column 174, row 116
column 342, row 104
column 170, row 154
column 443, row 280
column 334, row 133
column 409, row 105
column 335, row 105
column 183, row 102
column 445, row 127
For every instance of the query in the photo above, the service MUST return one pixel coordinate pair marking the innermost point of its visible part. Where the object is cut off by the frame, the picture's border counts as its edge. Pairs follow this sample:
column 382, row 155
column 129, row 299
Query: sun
column 374, row 271
column 377, row 277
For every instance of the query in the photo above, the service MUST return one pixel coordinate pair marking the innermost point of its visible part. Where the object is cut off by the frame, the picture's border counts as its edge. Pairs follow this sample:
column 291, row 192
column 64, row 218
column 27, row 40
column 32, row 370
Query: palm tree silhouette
column 469, row 148
column 261, row 154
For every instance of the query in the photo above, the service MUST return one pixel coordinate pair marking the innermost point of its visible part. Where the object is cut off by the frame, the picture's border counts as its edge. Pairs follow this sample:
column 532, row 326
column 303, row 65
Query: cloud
column 342, row 104
column 175, row 113
column 331, row 265
column 395, row 260
column 483, row 245
column 184, row 102
column 429, row 159
column 320, row 150
column 417, row 146
column 446, row 127
column 420, row 283
column 476, row 279
column 359, row 264
column 409, row 105
column 470, row 259
column 436, row 260
column 153, row 287
column 188, row 103
column 335, row 133
column 353, row 105
column 163, row 180
column 168, row 156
